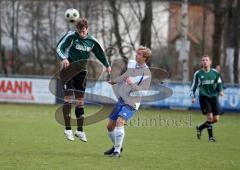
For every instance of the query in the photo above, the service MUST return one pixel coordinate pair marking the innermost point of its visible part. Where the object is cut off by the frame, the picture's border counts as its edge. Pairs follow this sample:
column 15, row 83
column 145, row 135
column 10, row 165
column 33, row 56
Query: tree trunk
column 1, row 35
column 219, row 21
column 114, row 13
column 17, row 52
column 2, row 50
column 38, row 31
column 13, row 62
column 184, row 51
column 236, row 41
column 146, row 25
column 33, row 38
column 232, row 37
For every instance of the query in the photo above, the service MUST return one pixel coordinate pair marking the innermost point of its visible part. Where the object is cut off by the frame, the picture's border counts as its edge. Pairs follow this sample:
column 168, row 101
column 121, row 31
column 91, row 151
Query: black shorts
column 76, row 85
column 209, row 105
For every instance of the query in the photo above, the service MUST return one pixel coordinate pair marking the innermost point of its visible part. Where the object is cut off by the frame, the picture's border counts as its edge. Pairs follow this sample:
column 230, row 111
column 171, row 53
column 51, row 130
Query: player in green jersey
column 75, row 47
column 210, row 87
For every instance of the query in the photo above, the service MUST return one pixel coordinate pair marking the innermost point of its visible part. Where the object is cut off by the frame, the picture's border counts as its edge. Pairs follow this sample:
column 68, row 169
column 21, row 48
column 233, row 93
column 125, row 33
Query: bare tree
column 18, row 64
column 220, row 9
column 52, row 22
column 146, row 25
column 144, row 19
column 1, row 34
column 13, row 62
column 114, row 12
column 234, row 35
column 127, row 28
column 184, row 51
column 2, row 48
column 2, row 55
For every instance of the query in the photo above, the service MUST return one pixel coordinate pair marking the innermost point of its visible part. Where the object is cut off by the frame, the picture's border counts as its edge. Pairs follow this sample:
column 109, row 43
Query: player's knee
column 110, row 127
column 215, row 119
column 67, row 99
column 80, row 102
column 210, row 118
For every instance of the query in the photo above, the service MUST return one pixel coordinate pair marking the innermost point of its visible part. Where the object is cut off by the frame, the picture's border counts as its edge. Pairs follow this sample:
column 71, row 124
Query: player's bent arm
column 144, row 85
column 194, row 85
column 121, row 78
column 219, row 87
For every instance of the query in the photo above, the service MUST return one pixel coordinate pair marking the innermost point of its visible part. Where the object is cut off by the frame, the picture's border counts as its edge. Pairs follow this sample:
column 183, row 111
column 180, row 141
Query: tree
column 234, row 35
column 146, row 25
column 220, row 10
column 2, row 55
column 184, row 51
column 114, row 12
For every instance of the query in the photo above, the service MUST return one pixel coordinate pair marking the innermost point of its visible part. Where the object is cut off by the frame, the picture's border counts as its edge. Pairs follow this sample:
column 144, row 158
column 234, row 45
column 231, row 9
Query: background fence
column 36, row 90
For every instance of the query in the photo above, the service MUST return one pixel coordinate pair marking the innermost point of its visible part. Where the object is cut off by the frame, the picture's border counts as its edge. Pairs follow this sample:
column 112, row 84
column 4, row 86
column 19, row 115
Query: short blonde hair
column 147, row 53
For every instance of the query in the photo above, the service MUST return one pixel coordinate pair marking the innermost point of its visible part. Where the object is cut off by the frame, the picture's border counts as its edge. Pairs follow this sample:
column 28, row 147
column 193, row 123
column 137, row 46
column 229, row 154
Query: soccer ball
column 72, row 15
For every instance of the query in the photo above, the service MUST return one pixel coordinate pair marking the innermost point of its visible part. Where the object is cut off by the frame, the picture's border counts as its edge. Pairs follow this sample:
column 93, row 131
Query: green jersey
column 209, row 83
column 75, row 48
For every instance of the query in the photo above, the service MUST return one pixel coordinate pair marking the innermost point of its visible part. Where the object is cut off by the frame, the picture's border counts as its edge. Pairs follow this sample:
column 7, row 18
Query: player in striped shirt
column 75, row 47
column 209, row 83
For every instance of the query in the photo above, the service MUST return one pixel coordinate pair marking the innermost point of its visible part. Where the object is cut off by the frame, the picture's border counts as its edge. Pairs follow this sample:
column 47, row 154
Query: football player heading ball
column 75, row 47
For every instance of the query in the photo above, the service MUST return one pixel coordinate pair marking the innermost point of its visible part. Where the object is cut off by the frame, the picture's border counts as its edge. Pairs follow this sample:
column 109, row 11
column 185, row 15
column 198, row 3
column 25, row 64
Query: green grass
column 30, row 138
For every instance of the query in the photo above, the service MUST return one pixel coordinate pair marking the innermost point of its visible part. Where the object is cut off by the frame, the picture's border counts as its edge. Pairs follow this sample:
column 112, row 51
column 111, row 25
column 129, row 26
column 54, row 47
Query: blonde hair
column 147, row 53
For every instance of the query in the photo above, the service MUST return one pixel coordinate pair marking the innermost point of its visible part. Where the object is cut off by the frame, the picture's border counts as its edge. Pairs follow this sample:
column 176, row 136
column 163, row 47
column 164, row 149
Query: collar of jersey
column 138, row 66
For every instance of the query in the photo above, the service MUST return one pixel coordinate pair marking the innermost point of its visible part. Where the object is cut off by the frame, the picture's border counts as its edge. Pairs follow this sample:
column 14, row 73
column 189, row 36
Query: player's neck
column 206, row 69
column 141, row 64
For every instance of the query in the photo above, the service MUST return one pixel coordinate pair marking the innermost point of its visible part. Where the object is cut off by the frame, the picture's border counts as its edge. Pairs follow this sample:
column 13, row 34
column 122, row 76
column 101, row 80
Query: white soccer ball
column 72, row 15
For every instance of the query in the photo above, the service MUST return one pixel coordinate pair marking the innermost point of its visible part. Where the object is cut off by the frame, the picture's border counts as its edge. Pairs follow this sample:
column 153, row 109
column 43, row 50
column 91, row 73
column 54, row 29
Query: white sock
column 112, row 136
column 119, row 136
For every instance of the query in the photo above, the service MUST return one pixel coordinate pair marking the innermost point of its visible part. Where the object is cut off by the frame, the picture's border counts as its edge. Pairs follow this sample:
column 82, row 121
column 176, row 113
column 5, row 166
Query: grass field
column 30, row 138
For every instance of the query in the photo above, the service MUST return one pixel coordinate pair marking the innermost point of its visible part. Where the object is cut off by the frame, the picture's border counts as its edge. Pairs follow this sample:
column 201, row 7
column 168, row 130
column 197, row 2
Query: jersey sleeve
column 63, row 44
column 194, row 84
column 219, row 83
column 99, row 53
column 121, row 78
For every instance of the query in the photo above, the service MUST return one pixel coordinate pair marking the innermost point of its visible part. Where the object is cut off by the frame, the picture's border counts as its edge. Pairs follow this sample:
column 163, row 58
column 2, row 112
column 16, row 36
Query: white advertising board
column 25, row 90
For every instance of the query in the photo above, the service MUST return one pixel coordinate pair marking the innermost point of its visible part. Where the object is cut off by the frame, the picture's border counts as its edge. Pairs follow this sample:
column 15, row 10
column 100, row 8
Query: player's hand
column 221, row 93
column 193, row 100
column 108, row 69
column 111, row 82
column 65, row 63
column 129, row 80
